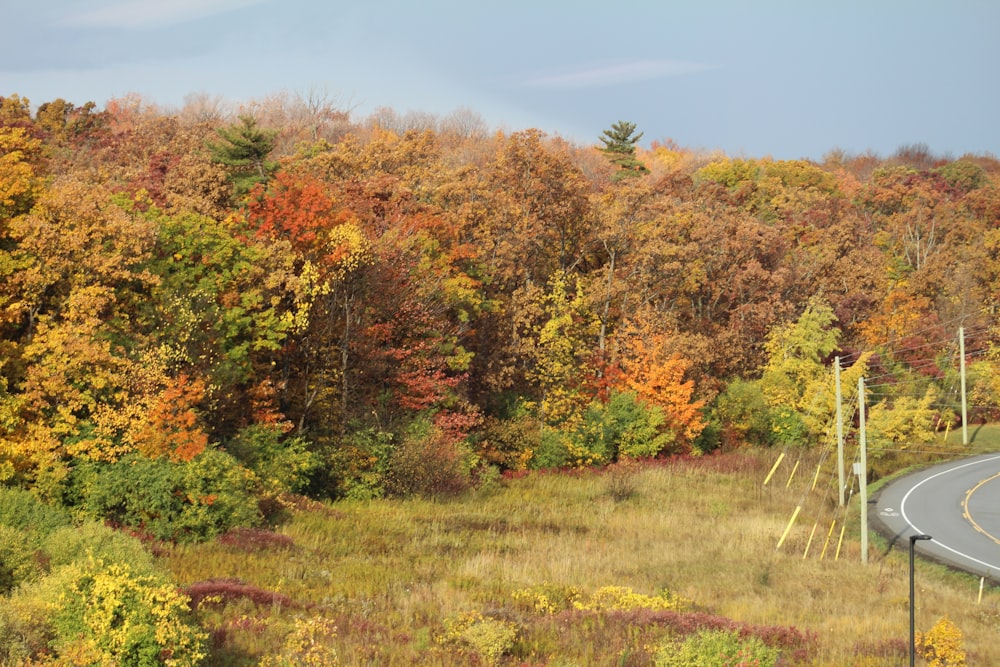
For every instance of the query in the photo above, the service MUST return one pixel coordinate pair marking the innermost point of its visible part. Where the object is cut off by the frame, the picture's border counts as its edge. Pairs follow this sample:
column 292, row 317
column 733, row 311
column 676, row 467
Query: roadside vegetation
column 606, row 567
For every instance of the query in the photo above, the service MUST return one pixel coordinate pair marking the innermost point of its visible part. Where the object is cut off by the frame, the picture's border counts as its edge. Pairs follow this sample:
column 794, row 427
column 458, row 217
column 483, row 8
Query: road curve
column 956, row 503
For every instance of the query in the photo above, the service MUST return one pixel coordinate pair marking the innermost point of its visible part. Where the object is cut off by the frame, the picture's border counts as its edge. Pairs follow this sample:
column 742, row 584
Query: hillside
column 208, row 314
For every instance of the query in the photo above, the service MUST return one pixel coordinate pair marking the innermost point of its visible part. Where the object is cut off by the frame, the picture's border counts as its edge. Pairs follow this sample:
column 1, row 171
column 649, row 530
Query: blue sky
column 789, row 79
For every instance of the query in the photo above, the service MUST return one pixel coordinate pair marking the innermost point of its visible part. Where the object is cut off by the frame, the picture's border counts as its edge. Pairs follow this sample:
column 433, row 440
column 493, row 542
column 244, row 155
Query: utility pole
column 840, row 430
column 863, row 469
column 961, row 366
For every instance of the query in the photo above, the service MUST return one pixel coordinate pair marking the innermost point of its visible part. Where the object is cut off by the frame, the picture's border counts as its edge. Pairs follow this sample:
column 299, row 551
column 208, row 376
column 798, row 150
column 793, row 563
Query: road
column 956, row 503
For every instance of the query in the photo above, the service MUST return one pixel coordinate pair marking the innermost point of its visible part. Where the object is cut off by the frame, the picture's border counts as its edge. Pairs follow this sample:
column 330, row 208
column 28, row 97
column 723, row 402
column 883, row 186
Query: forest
column 210, row 314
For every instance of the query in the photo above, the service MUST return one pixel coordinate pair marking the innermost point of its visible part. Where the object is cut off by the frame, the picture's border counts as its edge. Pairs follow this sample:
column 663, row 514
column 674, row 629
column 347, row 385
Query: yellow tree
column 71, row 370
column 75, row 257
column 19, row 183
column 562, row 346
column 797, row 383
column 75, row 236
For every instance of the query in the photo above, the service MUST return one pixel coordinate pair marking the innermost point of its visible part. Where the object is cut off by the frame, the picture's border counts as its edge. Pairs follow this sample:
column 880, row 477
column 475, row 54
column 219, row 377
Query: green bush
column 744, row 415
column 95, row 540
column 25, row 521
column 554, row 449
column 19, row 557
column 89, row 595
column 624, row 427
column 280, row 464
column 716, row 648
column 181, row 501
column 22, row 509
column 356, row 469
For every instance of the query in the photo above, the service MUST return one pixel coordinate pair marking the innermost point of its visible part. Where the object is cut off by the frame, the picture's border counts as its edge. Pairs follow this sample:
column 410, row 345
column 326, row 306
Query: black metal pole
column 913, row 634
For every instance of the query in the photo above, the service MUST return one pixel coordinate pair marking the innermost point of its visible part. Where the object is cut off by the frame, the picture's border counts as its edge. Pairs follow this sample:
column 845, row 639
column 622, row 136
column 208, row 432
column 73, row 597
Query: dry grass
column 390, row 572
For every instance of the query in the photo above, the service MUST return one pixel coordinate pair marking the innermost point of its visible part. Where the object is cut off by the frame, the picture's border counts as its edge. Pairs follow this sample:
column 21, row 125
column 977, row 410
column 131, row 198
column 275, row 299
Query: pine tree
column 244, row 150
column 619, row 146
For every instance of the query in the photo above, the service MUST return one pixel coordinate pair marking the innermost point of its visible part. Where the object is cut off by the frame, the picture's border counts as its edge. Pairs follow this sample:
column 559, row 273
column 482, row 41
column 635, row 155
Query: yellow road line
column 965, row 508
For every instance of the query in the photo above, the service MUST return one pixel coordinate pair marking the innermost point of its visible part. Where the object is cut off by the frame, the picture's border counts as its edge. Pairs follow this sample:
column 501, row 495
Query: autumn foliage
column 941, row 646
column 212, row 316
column 173, row 429
column 363, row 309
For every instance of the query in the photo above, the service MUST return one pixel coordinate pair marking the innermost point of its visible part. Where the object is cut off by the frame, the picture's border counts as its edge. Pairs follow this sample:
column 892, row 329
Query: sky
column 787, row 79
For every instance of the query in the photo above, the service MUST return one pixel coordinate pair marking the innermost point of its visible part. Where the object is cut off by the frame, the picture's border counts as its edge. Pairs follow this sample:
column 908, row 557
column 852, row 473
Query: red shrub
column 229, row 589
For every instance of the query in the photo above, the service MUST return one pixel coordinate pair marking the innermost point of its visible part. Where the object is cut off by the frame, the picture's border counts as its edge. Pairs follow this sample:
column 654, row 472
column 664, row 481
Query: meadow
column 596, row 567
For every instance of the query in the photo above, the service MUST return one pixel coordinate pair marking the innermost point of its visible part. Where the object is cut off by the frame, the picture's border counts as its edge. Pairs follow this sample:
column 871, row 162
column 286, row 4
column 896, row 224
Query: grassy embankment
column 393, row 576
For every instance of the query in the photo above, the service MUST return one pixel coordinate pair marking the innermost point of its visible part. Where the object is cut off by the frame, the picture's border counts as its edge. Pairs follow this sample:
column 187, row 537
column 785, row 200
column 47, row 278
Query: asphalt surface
column 956, row 503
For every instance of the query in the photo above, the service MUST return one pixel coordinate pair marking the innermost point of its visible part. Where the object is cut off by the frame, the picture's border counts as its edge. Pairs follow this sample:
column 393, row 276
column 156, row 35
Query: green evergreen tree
column 244, row 150
column 619, row 147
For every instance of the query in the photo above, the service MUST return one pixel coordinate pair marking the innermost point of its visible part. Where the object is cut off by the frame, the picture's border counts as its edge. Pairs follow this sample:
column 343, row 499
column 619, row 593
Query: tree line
column 235, row 309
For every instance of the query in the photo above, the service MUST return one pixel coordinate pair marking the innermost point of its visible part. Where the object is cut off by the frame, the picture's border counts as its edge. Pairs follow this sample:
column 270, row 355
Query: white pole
column 961, row 366
column 863, row 472
column 840, row 430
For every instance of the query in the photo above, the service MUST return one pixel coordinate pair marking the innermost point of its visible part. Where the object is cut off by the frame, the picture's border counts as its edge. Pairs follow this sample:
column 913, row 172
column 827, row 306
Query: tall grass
column 391, row 573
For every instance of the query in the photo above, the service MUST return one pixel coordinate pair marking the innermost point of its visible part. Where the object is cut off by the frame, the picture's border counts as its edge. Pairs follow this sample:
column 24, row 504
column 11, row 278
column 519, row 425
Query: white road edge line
column 902, row 510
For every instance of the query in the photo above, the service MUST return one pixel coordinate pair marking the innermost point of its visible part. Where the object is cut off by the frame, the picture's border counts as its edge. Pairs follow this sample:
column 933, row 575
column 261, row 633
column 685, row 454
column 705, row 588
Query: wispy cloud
column 609, row 75
column 154, row 14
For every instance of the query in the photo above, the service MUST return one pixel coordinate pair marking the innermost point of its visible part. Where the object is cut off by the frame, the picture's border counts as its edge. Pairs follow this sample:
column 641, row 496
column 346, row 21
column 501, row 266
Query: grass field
column 492, row 577
column 982, row 437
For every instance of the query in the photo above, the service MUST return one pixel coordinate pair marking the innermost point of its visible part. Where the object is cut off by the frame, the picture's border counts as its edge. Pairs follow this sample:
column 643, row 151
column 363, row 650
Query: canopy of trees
column 284, row 301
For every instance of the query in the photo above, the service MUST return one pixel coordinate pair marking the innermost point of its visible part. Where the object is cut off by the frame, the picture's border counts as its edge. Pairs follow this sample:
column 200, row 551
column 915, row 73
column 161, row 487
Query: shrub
column 45, row 568
column 615, row 598
column 95, row 540
column 232, row 589
column 19, row 557
column 510, row 443
column 356, row 468
column 716, row 648
column 253, row 540
column 426, row 463
column 94, row 613
column 554, row 449
column 108, row 614
column 171, row 500
column 622, row 481
column 25, row 522
column 309, row 644
column 548, row 598
column 25, row 630
column 624, row 427
column 489, row 638
column 22, row 509
column 941, row 646
column 281, row 465
column 743, row 415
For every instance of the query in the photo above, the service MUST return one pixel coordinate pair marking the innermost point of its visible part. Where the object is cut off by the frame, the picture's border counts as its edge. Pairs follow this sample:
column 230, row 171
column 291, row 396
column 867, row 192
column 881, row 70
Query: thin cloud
column 642, row 70
column 145, row 14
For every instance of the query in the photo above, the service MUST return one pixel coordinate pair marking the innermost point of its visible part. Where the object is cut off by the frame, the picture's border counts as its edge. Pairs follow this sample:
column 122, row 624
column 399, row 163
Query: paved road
column 957, row 504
